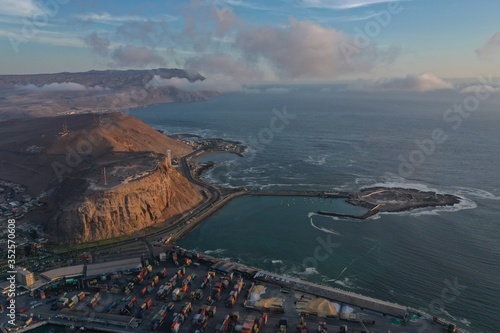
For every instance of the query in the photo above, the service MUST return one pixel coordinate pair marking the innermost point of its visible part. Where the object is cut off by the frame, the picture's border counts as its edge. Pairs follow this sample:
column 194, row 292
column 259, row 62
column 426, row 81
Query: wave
column 478, row 193
column 462, row 205
column 277, row 261
column 216, row 251
column 346, row 283
column 329, row 231
column 309, row 271
column 465, row 322
column 316, row 160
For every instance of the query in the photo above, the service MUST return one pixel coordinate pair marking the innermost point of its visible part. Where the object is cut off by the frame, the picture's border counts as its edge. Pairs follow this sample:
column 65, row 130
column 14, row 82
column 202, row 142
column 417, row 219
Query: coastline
column 223, row 196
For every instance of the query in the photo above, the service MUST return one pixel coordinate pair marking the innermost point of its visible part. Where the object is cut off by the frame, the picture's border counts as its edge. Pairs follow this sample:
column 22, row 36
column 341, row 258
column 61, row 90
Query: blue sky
column 255, row 41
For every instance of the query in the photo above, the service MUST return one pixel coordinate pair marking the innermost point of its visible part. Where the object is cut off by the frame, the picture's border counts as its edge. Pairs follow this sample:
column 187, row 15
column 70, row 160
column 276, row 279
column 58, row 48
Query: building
column 25, row 277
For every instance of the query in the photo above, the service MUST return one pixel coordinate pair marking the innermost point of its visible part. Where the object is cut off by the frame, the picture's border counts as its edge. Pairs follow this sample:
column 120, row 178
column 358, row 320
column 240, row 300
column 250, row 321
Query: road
column 214, row 196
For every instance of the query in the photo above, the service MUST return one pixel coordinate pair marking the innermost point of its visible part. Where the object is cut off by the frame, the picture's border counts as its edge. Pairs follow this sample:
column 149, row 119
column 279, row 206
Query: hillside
column 40, row 95
column 66, row 168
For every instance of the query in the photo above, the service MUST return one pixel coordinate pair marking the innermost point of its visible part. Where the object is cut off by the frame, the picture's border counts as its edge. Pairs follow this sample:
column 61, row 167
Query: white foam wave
column 465, row 322
column 277, row 261
column 316, row 160
column 397, row 184
column 216, row 251
column 478, row 193
column 329, row 231
column 309, row 271
column 346, row 283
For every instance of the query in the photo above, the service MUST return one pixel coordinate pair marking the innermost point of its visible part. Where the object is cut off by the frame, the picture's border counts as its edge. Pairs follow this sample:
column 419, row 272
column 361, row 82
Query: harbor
column 182, row 291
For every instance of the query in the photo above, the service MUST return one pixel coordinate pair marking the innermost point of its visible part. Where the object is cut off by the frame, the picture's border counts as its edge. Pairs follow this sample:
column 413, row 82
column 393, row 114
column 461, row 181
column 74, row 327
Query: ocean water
column 445, row 261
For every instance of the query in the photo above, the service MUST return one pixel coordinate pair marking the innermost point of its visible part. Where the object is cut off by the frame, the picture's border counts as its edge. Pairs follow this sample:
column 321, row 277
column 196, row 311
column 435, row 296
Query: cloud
column 186, row 85
column 224, row 20
column 307, row 50
column 97, row 44
column 342, row 4
column 21, row 8
column 491, row 48
column 412, row 82
column 107, row 18
column 136, row 56
column 224, row 70
column 64, row 86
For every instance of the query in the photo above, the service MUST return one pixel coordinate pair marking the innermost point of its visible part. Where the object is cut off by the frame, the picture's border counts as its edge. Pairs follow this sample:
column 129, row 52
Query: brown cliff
column 87, row 214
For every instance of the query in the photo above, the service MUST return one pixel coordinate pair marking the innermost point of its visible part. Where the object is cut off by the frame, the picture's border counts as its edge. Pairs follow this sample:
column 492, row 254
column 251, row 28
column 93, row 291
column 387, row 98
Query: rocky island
column 393, row 199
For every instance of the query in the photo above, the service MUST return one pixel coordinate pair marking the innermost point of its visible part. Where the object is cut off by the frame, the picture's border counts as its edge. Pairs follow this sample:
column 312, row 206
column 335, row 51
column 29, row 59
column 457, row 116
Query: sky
column 237, row 42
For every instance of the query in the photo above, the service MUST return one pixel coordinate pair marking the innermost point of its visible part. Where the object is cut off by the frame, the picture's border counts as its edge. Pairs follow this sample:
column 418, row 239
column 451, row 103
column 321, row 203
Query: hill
column 62, row 160
column 42, row 95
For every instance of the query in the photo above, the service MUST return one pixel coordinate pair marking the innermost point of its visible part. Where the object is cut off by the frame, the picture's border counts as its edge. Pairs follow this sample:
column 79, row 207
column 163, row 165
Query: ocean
column 445, row 261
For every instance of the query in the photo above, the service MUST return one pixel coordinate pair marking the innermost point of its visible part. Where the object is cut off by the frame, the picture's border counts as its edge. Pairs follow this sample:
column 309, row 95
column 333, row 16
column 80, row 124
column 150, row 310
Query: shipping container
column 162, row 273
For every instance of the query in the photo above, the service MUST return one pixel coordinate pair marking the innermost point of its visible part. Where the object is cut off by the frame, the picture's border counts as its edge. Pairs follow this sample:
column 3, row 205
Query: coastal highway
column 177, row 226
column 204, row 209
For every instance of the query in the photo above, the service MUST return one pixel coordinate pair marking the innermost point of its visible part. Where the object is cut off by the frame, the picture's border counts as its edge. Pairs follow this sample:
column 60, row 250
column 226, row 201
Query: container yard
column 189, row 292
